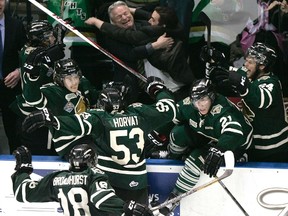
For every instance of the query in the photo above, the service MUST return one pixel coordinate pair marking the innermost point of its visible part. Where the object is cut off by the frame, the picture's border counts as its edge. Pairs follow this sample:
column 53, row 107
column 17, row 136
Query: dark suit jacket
column 15, row 38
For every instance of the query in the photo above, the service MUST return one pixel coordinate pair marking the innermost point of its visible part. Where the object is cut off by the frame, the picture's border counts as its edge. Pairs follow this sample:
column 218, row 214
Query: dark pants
column 9, row 118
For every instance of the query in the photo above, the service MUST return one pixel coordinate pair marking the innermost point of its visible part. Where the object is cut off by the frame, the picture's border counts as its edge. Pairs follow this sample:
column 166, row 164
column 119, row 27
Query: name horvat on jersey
column 125, row 121
column 71, row 180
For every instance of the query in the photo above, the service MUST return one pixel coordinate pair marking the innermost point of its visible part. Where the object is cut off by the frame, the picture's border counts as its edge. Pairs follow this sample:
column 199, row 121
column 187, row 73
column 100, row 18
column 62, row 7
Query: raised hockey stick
column 233, row 198
column 206, row 20
column 92, row 43
column 229, row 162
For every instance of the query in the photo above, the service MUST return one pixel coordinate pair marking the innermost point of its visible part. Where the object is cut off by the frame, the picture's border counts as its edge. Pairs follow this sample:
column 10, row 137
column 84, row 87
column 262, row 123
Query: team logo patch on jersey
column 187, row 101
column 135, row 105
column 69, row 107
column 133, row 184
column 192, row 123
column 216, row 109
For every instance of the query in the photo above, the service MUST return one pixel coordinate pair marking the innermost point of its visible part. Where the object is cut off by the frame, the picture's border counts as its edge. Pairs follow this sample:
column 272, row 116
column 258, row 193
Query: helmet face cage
column 63, row 68
column 39, row 32
column 111, row 100
column 81, row 157
column 262, row 54
column 200, row 89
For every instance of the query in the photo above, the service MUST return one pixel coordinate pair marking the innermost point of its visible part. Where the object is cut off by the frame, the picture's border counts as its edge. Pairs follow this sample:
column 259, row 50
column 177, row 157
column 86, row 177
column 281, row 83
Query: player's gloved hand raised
column 33, row 61
column 132, row 208
column 23, row 160
column 219, row 75
column 213, row 161
column 154, row 85
column 239, row 83
column 39, row 119
column 213, row 57
column 54, row 53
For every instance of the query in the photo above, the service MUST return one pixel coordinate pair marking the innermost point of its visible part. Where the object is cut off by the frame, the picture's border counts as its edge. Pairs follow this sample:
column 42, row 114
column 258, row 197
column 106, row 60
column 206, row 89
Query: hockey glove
column 39, row 119
column 54, row 53
column 169, row 209
column 23, row 160
column 33, row 61
column 239, row 83
column 154, row 85
column 132, row 208
column 157, row 139
column 212, row 55
column 213, row 161
column 219, row 75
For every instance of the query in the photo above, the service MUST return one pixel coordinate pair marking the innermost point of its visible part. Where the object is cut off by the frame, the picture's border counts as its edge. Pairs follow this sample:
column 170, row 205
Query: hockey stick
column 206, row 20
column 233, row 198
column 92, row 43
column 229, row 162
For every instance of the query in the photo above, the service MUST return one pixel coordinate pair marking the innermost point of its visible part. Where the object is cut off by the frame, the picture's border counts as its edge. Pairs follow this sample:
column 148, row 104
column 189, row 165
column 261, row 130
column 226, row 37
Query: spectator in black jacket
column 141, row 37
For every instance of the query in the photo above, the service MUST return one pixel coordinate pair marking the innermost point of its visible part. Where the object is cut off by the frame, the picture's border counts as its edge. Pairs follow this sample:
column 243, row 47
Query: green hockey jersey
column 57, row 98
column 80, row 193
column 224, row 123
column 78, row 11
column 119, row 137
column 264, row 107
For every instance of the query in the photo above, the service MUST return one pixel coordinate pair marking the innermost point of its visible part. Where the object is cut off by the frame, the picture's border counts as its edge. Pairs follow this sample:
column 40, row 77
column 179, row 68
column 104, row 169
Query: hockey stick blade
column 92, row 43
column 206, row 20
column 229, row 164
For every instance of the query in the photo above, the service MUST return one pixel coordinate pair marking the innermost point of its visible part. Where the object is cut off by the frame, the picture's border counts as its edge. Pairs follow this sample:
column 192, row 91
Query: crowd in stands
column 181, row 110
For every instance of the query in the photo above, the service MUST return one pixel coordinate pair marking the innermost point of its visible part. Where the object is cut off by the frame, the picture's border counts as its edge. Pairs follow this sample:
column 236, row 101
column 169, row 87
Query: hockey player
column 216, row 119
column 70, row 93
column 121, row 131
column 41, row 38
column 262, row 99
column 83, row 189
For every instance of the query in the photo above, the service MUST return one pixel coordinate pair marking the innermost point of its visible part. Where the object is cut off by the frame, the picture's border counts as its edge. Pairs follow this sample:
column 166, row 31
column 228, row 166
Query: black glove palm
column 219, row 75
column 132, row 208
column 33, row 61
column 45, row 56
column 54, row 53
column 212, row 55
column 38, row 119
column 23, row 160
column 213, row 161
column 239, row 83
column 154, row 85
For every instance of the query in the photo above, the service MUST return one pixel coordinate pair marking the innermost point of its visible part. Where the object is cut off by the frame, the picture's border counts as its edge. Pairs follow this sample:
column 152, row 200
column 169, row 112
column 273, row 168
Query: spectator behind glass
column 172, row 62
column 13, row 38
